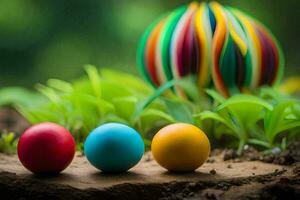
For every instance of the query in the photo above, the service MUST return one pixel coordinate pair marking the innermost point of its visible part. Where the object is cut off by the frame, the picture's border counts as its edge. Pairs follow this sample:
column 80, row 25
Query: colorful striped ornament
column 215, row 43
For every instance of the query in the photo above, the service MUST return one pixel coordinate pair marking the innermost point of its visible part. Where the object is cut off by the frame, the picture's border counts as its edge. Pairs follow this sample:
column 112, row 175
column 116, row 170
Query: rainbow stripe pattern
column 221, row 46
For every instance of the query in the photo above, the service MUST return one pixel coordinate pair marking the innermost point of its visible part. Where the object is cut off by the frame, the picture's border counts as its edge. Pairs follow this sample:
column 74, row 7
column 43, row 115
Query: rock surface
column 147, row 180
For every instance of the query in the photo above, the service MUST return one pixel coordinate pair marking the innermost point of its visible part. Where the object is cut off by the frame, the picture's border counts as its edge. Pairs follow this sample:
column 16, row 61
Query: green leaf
column 271, row 93
column 288, row 125
column 133, row 83
column 215, row 116
column 125, row 106
column 149, row 118
column 283, row 144
column 190, row 88
column 153, row 97
column 60, row 85
column 40, row 115
column 49, row 93
column 179, row 111
column 295, row 110
column 8, row 138
column 7, row 143
column 246, row 109
column 259, row 143
column 19, row 96
column 113, row 90
column 94, row 78
column 216, row 96
column 244, row 100
column 275, row 121
column 114, row 118
column 147, row 142
column 153, row 115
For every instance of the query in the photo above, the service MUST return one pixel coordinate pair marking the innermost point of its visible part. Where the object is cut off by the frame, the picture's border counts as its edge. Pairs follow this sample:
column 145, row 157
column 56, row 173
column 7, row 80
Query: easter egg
column 220, row 46
column 114, row 147
column 46, row 148
column 180, row 147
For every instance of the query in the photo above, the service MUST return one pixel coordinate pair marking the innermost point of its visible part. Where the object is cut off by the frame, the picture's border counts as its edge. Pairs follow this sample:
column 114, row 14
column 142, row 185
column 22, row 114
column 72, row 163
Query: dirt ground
column 214, row 180
column 12, row 121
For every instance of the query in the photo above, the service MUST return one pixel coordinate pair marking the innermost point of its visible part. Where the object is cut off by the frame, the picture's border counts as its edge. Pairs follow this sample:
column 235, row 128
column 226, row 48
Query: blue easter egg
column 114, row 147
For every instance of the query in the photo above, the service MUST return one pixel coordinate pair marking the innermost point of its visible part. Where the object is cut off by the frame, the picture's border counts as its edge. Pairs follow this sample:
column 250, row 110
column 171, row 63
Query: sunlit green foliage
column 238, row 116
column 105, row 96
column 267, row 119
column 13, row 96
column 8, row 143
column 262, row 121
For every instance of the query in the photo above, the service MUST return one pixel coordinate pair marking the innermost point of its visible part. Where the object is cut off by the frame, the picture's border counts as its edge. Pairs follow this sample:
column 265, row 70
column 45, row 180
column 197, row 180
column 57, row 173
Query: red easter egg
column 46, row 148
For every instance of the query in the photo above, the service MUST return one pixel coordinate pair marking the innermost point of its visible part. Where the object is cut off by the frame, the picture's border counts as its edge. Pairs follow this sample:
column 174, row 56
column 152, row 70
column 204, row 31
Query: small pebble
column 191, row 194
column 284, row 169
column 223, row 186
column 296, row 170
column 229, row 166
column 230, row 154
column 148, row 158
column 192, row 185
column 210, row 195
column 237, row 160
column 284, row 180
column 268, row 158
column 276, row 150
column 213, row 171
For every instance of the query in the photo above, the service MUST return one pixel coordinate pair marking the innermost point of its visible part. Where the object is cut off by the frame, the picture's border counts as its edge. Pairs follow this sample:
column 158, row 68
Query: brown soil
column 217, row 180
column 12, row 121
column 288, row 156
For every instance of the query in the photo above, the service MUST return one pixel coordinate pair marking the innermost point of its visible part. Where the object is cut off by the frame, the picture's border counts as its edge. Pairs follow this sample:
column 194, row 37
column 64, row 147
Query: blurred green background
column 40, row 39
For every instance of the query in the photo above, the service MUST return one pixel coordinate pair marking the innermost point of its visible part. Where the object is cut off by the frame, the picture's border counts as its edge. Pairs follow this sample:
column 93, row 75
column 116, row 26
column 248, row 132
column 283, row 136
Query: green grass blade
column 179, row 111
column 95, row 79
column 60, row 85
column 157, row 93
column 260, row 143
column 217, row 117
column 215, row 95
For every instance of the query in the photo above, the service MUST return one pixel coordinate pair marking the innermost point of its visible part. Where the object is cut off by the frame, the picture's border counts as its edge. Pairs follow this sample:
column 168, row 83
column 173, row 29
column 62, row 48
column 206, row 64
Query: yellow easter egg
column 180, row 147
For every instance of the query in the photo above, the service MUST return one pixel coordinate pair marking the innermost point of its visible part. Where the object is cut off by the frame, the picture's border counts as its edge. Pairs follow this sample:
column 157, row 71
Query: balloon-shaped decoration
column 220, row 45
